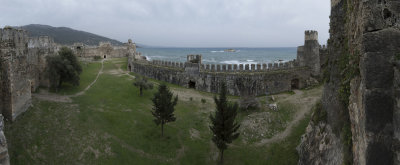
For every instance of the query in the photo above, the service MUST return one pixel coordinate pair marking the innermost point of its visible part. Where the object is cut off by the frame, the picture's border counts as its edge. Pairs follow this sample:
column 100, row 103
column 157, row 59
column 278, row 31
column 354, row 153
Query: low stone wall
column 253, row 82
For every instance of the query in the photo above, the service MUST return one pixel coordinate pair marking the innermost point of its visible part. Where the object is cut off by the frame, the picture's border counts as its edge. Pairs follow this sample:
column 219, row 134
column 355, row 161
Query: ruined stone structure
column 105, row 50
column 22, row 66
column 361, row 96
column 254, row 79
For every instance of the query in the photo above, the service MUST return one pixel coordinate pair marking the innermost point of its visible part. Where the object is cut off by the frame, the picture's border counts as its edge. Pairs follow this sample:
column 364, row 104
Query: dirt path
column 45, row 95
column 304, row 105
column 91, row 84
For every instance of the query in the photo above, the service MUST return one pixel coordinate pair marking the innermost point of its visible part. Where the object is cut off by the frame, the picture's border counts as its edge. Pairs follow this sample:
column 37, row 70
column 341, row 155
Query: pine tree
column 142, row 84
column 163, row 106
column 223, row 122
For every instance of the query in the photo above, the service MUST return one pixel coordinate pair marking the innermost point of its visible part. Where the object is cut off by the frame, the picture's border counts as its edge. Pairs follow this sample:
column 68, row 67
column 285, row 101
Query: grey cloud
column 187, row 23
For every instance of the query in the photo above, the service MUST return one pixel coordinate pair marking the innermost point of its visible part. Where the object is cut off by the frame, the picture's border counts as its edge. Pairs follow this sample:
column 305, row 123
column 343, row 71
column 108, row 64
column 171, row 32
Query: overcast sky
column 180, row 23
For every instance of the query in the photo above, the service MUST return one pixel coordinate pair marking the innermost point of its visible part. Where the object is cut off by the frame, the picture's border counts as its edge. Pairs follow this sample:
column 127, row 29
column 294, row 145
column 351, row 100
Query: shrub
column 96, row 58
column 203, row 101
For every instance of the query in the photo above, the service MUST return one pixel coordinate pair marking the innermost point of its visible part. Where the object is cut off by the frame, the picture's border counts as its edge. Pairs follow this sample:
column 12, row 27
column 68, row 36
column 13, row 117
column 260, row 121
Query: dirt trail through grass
column 45, row 95
column 303, row 104
column 91, row 84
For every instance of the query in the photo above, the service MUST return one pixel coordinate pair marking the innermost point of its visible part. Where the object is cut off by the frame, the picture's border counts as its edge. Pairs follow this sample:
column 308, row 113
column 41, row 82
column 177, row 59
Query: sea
column 220, row 56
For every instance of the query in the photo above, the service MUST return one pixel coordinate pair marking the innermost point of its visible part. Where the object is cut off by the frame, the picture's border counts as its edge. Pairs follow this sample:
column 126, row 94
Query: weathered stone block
column 235, row 67
column 229, row 67
column 247, row 67
column 218, row 68
column 264, row 66
column 224, row 67
column 253, row 67
column 276, row 66
column 376, row 70
column 378, row 110
column 378, row 152
column 241, row 67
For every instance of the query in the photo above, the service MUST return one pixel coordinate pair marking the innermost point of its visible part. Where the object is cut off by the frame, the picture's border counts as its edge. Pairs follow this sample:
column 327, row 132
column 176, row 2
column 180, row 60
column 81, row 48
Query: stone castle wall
column 105, row 50
column 362, row 89
column 239, row 82
column 308, row 54
column 16, row 88
column 233, row 67
column 242, row 79
column 23, row 62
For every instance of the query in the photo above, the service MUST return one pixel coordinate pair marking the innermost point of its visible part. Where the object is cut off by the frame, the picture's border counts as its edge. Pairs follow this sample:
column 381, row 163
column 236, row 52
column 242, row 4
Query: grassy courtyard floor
column 111, row 124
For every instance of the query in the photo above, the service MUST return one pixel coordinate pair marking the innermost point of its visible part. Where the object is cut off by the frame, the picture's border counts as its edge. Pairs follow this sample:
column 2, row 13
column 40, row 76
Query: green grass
column 112, row 124
column 88, row 74
column 284, row 152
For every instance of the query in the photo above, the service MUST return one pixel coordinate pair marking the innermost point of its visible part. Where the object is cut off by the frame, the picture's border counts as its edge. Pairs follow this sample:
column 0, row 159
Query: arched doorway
column 129, row 67
column 105, row 56
column 295, row 84
column 192, row 84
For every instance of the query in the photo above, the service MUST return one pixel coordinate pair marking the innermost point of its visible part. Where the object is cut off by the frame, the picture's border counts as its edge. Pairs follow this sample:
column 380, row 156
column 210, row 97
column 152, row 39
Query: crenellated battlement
column 311, row 35
column 260, row 67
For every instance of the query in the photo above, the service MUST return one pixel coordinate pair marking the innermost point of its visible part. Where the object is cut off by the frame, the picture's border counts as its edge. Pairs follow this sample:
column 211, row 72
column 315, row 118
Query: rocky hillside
column 67, row 36
column 358, row 121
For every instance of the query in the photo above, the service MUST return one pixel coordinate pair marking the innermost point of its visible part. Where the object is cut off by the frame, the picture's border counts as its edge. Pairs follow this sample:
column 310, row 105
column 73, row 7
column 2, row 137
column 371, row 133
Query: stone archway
column 105, row 56
column 130, row 67
column 294, row 84
column 192, row 84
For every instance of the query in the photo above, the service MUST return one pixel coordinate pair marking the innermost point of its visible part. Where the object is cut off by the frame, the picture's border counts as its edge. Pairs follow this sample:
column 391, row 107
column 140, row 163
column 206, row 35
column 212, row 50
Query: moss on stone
column 318, row 114
column 397, row 57
column 346, row 139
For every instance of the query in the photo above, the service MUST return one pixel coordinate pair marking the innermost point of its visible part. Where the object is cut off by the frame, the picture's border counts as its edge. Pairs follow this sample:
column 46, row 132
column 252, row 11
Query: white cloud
column 253, row 23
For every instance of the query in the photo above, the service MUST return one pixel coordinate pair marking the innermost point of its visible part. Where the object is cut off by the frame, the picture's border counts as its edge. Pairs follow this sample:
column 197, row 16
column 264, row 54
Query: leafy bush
column 63, row 68
column 96, row 58
column 203, row 101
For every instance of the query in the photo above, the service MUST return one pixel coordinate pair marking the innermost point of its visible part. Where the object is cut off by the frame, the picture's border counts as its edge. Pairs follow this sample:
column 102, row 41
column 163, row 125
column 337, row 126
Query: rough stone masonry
column 362, row 89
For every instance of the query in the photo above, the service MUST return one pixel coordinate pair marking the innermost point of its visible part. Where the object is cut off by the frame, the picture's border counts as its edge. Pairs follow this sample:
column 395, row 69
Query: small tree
column 163, row 106
column 224, row 126
column 143, row 84
column 63, row 67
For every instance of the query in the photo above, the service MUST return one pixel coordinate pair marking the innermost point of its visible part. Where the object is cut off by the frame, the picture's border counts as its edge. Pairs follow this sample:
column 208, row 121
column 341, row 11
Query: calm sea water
column 219, row 56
